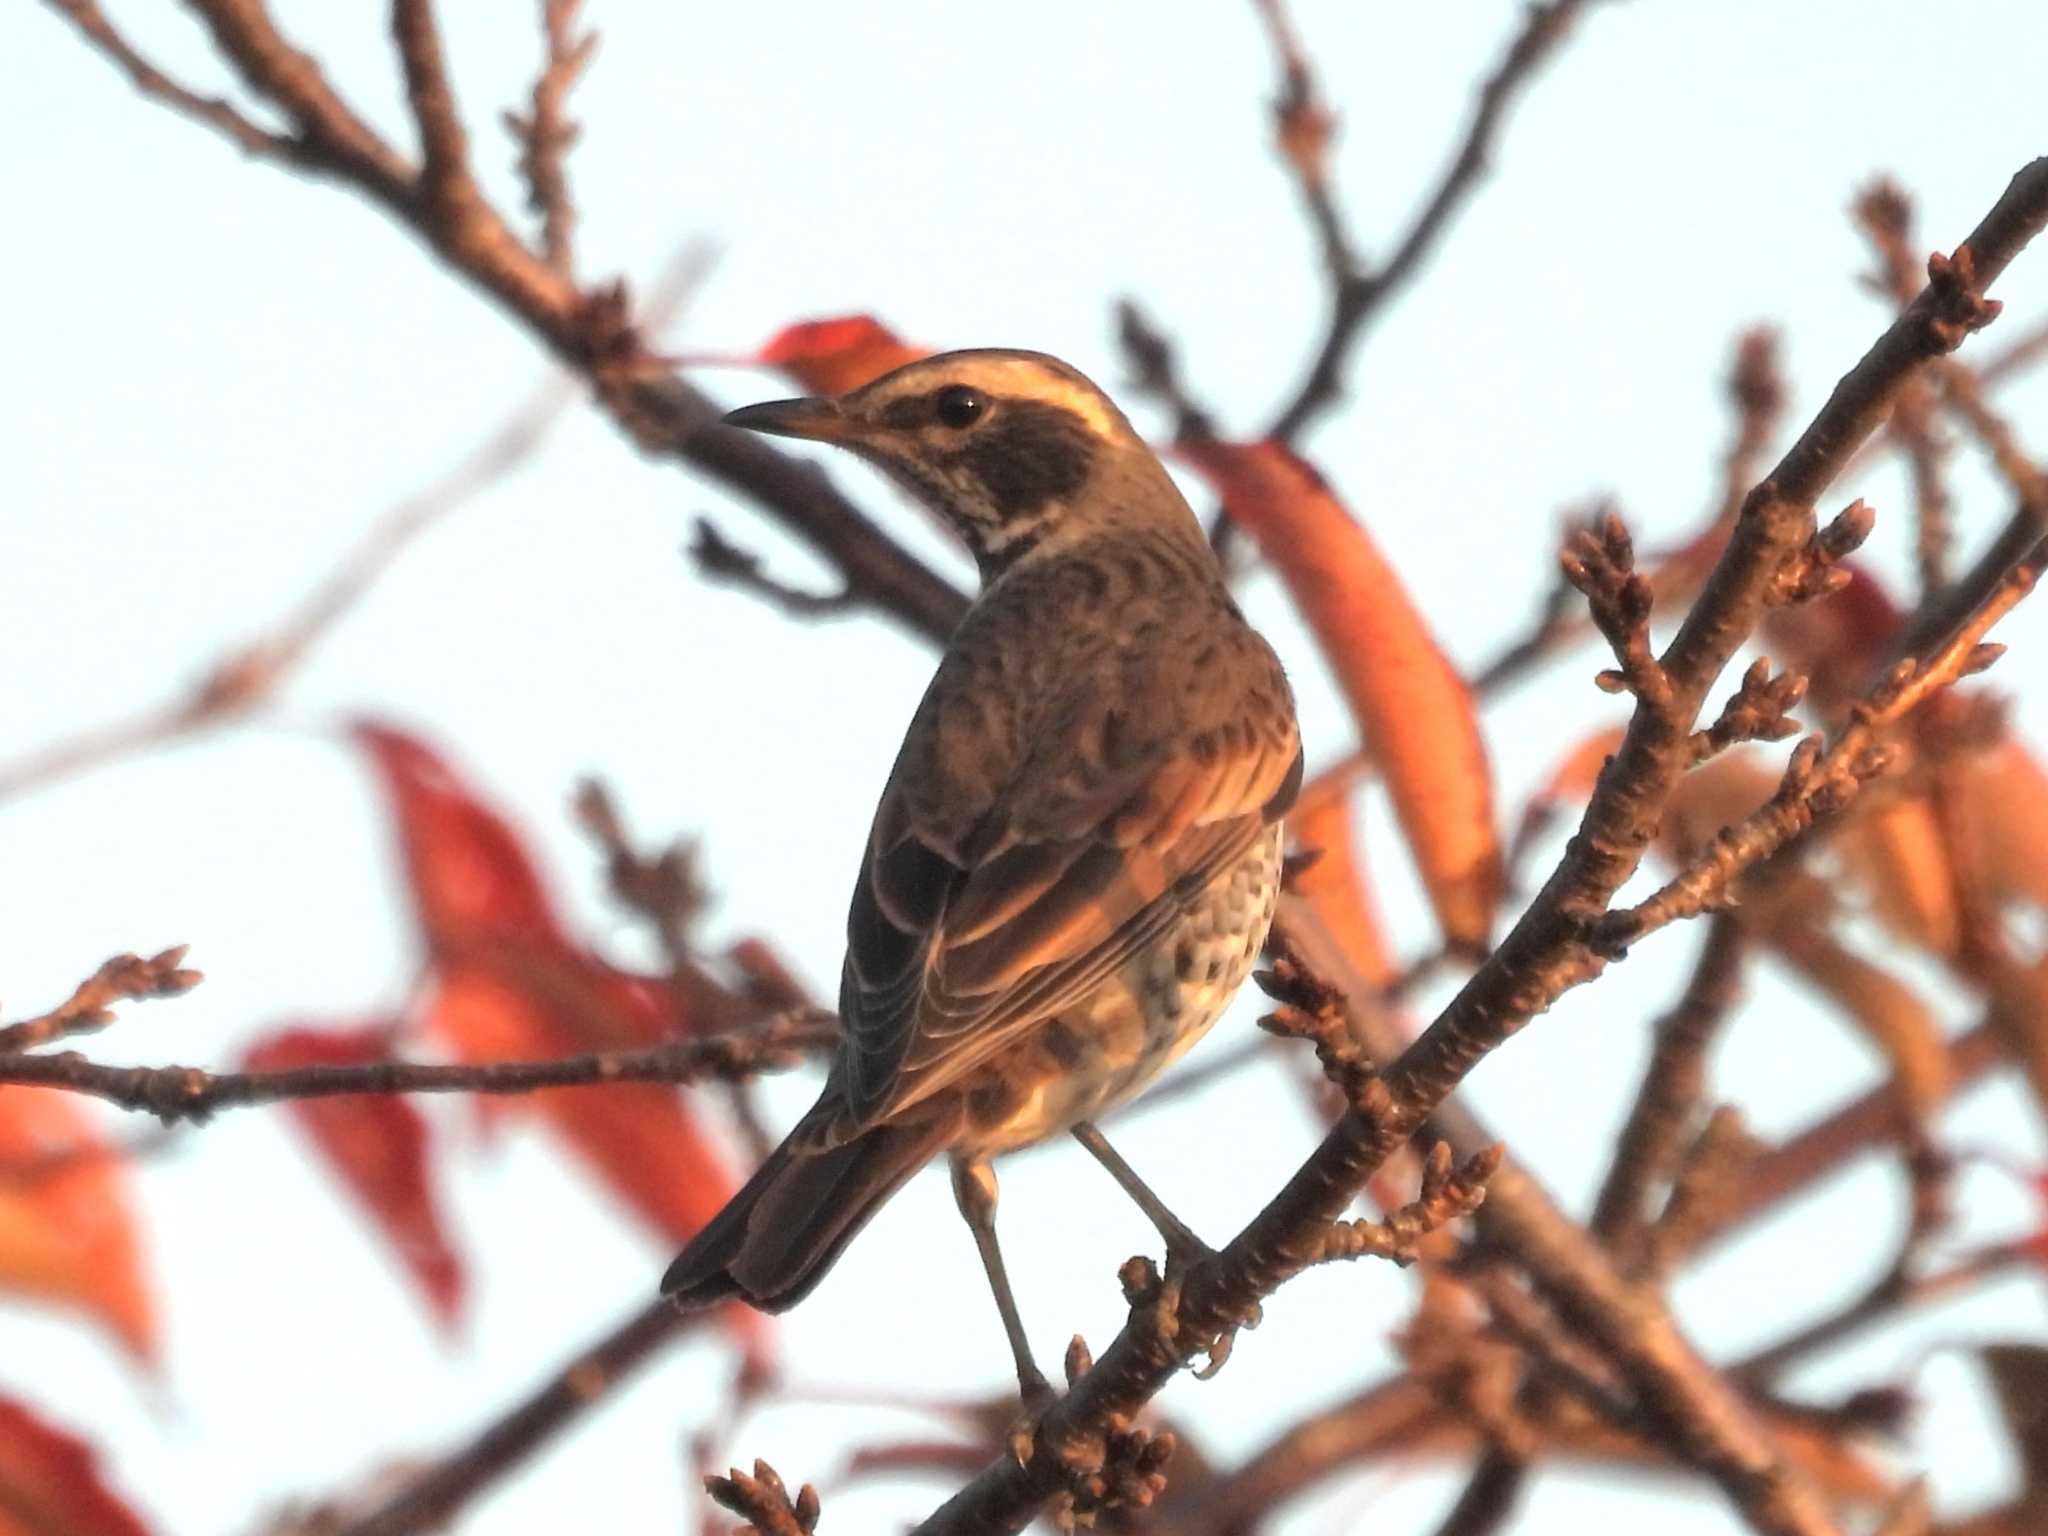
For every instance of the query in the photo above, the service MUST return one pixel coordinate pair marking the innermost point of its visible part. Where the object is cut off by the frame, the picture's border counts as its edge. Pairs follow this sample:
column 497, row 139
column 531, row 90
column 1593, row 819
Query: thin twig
column 187, row 1093
column 1674, row 1084
column 546, row 134
column 1358, row 293
column 90, row 1007
column 429, row 1502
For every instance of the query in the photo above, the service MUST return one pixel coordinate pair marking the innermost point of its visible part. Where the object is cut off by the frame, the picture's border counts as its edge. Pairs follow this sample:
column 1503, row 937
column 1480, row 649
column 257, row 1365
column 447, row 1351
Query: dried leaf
column 829, row 357
column 378, row 1145
column 1413, row 710
column 1897, row 856
column 67, row 1225
column 50, row 1483
column 1335, row 885
column 1837, row 641
column 2004, row 808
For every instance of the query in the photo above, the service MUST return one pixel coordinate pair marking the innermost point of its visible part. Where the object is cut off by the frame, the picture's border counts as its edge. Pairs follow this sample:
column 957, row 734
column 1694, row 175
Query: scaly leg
column 974, row 1190
column 1181, row 1242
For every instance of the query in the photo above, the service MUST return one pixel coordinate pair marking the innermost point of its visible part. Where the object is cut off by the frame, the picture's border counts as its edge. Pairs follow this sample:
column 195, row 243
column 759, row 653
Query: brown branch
column 1359, row 293
column 1887, row 217
column 212, row 111
column 1862, row 1125
column 125, row 978
column 1544, row 955
column 1898, row 1290
column 590, row 330
column 428, row 1503
column 1820, row 783
column 1701, row 1186
column 187, row 1093
column 721, row 560
column 1450, row 1190
column 546, row 134
column 1647, row 1150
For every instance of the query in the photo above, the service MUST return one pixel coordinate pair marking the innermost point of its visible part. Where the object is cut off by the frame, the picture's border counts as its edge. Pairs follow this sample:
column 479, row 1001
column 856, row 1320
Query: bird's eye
column 958, row 406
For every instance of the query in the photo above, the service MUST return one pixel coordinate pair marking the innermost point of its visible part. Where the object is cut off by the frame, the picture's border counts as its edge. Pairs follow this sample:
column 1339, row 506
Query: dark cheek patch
column 1030, row 454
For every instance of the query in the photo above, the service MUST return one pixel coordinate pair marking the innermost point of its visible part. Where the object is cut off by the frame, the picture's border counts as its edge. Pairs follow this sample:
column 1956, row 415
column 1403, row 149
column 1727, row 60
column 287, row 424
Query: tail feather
column 775, row 1239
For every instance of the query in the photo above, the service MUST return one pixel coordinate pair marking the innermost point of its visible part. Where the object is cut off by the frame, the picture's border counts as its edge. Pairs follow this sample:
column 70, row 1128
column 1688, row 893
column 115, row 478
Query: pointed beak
column 820, row 420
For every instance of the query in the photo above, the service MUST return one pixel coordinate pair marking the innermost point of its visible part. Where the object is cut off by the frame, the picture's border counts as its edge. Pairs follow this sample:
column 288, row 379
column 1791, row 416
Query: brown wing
column 958, row 945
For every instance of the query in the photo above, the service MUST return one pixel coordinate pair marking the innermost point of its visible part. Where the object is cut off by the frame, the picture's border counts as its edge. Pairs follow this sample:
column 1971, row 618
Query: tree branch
column 1545, row 954
column 187, row 1093
column 1358, row 294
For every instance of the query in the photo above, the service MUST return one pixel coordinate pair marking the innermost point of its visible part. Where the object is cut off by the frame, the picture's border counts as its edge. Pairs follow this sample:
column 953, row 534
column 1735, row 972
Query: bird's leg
column 974, row 1190
column 1181, row 1242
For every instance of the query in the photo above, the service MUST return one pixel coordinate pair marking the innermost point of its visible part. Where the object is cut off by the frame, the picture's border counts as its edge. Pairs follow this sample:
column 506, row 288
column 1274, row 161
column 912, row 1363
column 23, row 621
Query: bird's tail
column 776, row 1238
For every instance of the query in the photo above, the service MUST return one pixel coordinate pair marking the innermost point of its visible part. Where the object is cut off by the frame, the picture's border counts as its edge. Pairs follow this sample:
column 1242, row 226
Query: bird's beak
column 820, row 420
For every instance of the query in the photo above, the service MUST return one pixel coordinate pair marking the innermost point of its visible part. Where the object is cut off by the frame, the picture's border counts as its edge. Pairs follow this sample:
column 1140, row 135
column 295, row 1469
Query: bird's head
column 1018, row 452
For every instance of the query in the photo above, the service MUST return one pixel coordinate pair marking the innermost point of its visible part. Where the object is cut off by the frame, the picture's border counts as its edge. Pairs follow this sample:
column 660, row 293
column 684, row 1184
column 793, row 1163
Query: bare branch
column 213, row 111
column 187, row 1093
column 1358, row 294
column 430, row 1501
column 125, row 978
column 1647, row 1151
column 724, row 561
column 546, row 134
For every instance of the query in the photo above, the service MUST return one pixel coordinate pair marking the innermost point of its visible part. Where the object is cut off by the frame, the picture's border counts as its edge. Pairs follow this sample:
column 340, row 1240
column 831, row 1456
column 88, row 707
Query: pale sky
column 218, row 377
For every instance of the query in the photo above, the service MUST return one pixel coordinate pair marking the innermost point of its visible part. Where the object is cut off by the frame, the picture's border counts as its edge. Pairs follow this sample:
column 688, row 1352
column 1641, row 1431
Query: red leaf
column 1412, row 708
column 470, row 875
column 1838, row 641
column 67, row 1229
column 50, row 1483
column 378, row 1144
column 832, row 356
column 511, row 986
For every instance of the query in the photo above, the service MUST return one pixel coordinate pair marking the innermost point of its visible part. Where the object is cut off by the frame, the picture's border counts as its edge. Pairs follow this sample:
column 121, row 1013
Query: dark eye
column 958, row 406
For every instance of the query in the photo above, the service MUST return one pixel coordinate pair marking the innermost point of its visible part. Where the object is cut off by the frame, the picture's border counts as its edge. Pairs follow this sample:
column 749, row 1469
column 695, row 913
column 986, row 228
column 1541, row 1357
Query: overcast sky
column 217, row 377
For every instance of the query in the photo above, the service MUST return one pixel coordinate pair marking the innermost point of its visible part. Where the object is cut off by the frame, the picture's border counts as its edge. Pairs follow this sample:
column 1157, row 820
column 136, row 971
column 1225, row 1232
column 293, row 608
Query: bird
column 1076, row 857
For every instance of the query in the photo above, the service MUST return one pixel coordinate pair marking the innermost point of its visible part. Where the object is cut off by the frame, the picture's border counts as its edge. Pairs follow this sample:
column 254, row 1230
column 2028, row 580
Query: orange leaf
column 1335, row 884
column 50, row 1483
column 1413, row 710
column 830, row 357
column 377, row 1143
column 2005, row 823
column 67, row 1230
column 513, row 987
column 1898, row 856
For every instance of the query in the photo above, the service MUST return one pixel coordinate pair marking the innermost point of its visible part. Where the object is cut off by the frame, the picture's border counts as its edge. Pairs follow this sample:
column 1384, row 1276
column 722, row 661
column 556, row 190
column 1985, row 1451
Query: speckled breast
column 1090, row 1058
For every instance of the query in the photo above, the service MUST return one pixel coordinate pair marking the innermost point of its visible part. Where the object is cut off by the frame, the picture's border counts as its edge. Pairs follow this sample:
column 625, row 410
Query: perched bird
column 1076, row 857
